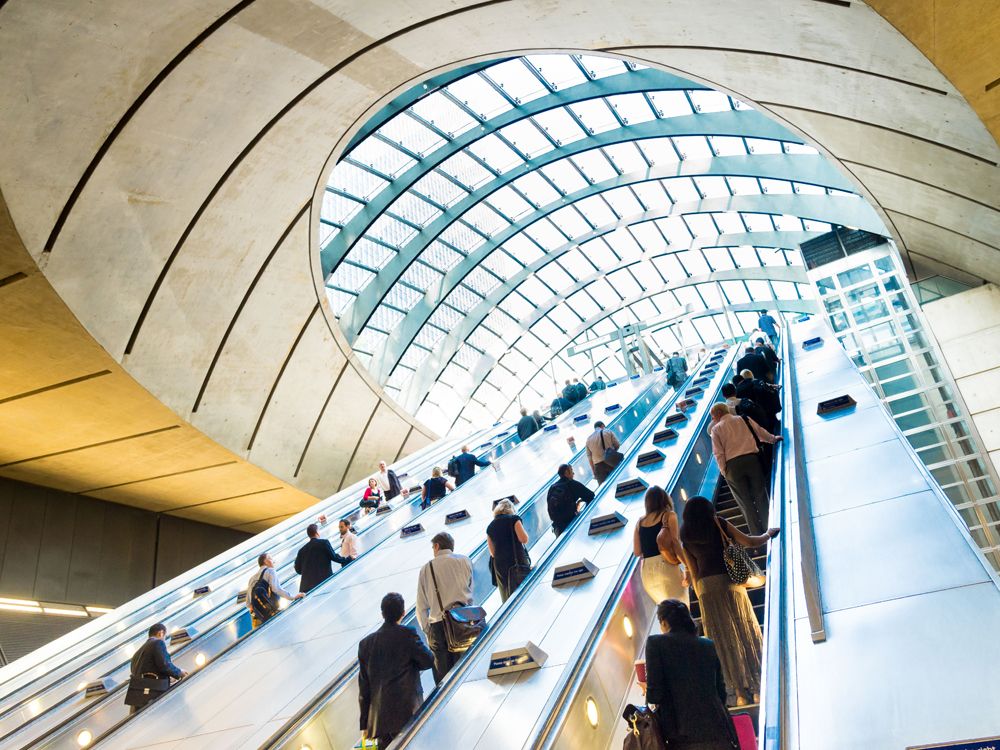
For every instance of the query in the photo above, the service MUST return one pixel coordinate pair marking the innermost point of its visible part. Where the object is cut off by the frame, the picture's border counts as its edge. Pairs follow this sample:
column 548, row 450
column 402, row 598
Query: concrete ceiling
column 160, row 165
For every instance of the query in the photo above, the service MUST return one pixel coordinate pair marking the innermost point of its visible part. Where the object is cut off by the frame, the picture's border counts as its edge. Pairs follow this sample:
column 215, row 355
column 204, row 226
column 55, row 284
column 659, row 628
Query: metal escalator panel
column 42, row 712
column 471, row 709
column 316, row 639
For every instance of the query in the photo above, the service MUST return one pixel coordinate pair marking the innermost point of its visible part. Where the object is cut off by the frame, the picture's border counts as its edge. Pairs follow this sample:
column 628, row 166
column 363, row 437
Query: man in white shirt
column 389, row 483
column 348, row 542
column 597, row 444
column 735, row 448
column 454, row 588
column 266, row 571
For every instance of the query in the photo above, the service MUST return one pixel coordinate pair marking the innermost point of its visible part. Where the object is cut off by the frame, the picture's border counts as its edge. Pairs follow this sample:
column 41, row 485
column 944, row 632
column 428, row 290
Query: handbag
column 612, row 456
column 145, row 688
column 517, row 572
column 643, row 729
column 739, row 565
column 462, row 624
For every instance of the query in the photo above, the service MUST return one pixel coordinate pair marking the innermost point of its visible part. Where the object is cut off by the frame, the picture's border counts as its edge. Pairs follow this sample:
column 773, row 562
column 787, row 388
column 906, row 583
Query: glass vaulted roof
column 492, row 218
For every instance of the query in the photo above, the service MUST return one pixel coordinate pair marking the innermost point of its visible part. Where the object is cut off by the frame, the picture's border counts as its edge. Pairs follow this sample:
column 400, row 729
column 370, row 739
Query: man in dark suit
column 764, row 395
column 151, row 670
column 770, row 357
column 389, row 664
column 313, row 560
column 466, row 463
column 753, row 362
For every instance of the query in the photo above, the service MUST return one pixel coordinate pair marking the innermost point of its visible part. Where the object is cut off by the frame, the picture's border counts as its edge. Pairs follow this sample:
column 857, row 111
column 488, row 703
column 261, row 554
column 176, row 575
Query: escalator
column 295, row 656
column 472, row 709
column 77, row 676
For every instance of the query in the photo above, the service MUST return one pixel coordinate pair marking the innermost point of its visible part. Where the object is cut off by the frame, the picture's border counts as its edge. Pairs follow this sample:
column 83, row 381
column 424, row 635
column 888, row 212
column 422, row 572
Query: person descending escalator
column 389, row 482
column 373, row 496
column 506, row 539
column 598, row 385
column 559, row 405
column 565, row 498
column 151, row 670
column 580, row 390
column 726, row 612
column 527, row 425
column 684, row 681
column 390, row 661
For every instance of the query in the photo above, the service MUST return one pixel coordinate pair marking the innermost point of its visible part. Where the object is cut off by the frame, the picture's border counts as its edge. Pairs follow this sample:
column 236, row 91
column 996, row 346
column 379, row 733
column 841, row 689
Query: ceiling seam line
column 231, row 497
column 13, row 278
column 260, row 135
column 319, row 418
column 243, row 302
column 55, row 386
column 920, row 182
column 361, row 439
column 91, row 445
column 946, row 229
column 152, row 479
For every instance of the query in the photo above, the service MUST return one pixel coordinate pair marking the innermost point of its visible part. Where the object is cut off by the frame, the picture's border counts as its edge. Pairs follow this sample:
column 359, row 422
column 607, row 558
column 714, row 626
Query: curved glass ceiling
column 490, row 219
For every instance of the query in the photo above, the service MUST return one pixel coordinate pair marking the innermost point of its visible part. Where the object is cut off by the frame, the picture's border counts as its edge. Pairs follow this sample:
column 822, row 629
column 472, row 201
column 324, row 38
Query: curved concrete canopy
column 160, row 166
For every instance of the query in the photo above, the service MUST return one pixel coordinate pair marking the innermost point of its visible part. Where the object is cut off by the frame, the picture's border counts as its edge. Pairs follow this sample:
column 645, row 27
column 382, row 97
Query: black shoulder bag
column 462, row 624
column 145, row 687
column 517, row 572
column 612, row 456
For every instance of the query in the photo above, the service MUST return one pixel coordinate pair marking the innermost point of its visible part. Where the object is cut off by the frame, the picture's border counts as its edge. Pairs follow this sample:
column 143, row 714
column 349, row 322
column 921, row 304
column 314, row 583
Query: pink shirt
column 731, row 438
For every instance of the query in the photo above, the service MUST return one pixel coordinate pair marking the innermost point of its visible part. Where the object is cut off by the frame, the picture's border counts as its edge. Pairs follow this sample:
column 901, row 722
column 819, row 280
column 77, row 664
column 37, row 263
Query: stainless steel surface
column 317, row 638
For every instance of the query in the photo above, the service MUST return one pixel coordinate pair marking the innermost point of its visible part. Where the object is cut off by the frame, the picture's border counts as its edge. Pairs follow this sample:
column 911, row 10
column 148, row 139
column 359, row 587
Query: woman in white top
column 657, row 542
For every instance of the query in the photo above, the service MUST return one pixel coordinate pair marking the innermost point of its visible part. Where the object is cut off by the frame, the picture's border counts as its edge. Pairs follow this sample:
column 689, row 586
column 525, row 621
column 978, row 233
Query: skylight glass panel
column 602, row 67
column 326, row 233
column 624, row 284
column 708, row 330
column 758, row 222
column 439, row 189
column 516, row 80
column 497, row 154
column 440, row 257
column 693, row 147
column 482, row 281
column 555, row 277
column 559, row 125
column 533, row 348
column 798, row 148
column 659, row 151
column 381, row 157
column 776, row 187
column 772, row 256
column 502, row 264
column 687, row 295
column 632, row 108
column 785, row 289
column 816, row 226
column 522, row 248
column 485, row 219
column 563, row 317
column 710, row 294
column 745, row 256
column 624, row 202
column 355, row 181
column 536, row 189
column 712, row 187
column 534, row 291
column 428, row 336
column 559, row 70
column 463, row 299
column 724, row 145
column 626, row 156
column 517, row 363
column 399, row 379
column 411, row 207
column 509, row 203
column 370, row 254
column 786, row 223
column 595, row 115
column 527, row 138
column 682, row 190
column 577, row 264
column 648, row 237
column 596, row 210
column 594, row 166
column 700, row 225
column 444, row 114
column 710, row 101
column 545, row 234
column 624, row 244
column 583, row 304
column 479, row 96
column 570, row 222
column 369, row 341
column 603, row 295
column 464, row 168
column 390, row 230
column 402, row 297
column 676, row 231
column 487, row 342
column 350, row 277
column 445, row 317
column 502, row 324
column 763, row 146
column 338, row 300
column 729, row 223
column 338, row 208
column 652, row 195
column 735, row 292
column 460, row 236
column 804, row 188
column 410, row 134
column 421, row 275
column 759, row 290
column 385, row 318
column 743, row 185
column 671, row 103
column 466, row 356
column 718, row 258
column 644, row 309
column 670, row 268
column 565, row 176
column 694, row 262
column 599, row 252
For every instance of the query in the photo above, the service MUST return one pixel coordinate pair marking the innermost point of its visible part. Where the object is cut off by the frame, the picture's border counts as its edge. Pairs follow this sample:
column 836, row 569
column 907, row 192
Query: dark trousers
column 384, row 740
column 444, row 659
column 601, row 471
column 746, row 479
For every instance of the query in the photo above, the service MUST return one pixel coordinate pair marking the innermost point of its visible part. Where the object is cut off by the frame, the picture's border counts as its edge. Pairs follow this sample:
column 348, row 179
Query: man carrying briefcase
column 151, row 670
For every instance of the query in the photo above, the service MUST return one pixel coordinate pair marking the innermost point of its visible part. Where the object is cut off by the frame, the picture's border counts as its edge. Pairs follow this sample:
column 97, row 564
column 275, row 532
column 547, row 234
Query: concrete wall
column 967, row 328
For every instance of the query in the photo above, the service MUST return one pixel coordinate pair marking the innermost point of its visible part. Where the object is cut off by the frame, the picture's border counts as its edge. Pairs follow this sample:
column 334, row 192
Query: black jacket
column 562, row 499
column 389, row 691
column 769, row 356
column 762, row 394
column 684, row 681
column 152, row 658
column 313, row 563
column 527, row 426
column 467, row 464
column 754, row 363
column 395, row 487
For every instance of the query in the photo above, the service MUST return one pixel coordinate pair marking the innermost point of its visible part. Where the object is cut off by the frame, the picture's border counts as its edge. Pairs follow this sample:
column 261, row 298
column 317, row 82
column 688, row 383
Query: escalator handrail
column 308, row 712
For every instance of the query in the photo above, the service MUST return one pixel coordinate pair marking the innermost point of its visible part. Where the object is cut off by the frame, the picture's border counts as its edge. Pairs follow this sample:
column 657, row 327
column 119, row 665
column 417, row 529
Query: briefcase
column 148, row 687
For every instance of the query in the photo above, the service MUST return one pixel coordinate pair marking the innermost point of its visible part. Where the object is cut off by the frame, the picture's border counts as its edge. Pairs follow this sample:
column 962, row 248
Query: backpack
column 559, row 503
column 748, row 408
column 263, row 603
column 452, row 469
